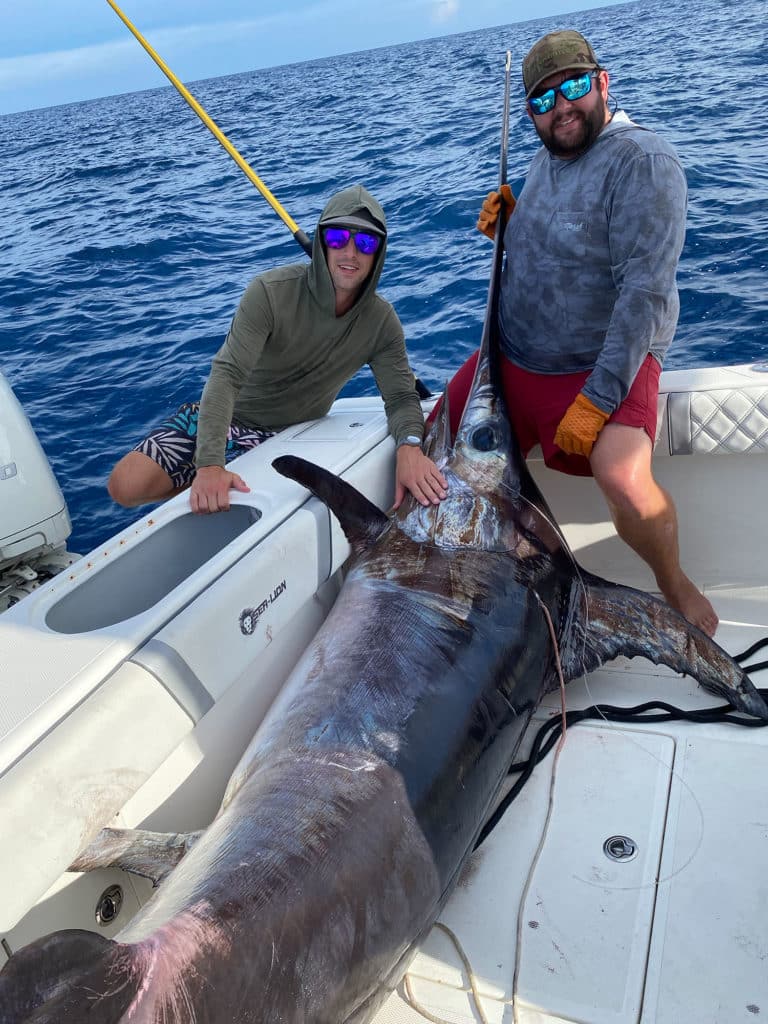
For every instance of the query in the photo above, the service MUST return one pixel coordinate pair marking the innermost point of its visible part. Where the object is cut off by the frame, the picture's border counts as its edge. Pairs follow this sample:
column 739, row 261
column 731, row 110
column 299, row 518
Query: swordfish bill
column 359, row 800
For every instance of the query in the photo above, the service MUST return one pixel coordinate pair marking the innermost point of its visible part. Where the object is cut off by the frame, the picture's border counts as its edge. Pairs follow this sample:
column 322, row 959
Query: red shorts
column 537, row 402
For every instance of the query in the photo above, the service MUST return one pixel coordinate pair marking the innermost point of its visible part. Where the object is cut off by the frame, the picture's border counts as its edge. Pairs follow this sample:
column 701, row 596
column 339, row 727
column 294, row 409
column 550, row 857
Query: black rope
column 757, row 646
column 550, row 732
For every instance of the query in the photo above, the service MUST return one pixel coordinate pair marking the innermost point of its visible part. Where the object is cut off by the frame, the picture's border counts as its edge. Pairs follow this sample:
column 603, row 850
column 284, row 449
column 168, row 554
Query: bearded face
column 572, row 125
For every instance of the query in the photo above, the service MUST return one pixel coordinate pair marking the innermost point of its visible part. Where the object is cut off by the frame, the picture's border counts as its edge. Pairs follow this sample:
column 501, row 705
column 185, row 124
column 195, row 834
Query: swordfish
column 360, row 798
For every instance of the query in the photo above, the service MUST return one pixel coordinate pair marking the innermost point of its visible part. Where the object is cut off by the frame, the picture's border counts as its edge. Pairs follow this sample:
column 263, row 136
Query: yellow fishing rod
column 300, row 236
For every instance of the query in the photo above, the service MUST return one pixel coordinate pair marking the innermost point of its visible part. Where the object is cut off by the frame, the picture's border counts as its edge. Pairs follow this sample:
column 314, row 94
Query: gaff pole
column 300, row 236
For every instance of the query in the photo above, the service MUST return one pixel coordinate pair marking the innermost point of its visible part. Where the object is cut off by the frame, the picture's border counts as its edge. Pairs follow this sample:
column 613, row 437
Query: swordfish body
column 354, row 808
column 360, row 798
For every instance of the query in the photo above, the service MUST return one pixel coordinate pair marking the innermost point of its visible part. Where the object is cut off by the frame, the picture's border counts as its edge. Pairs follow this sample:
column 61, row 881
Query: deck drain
column 620, row 848
column 108, row 907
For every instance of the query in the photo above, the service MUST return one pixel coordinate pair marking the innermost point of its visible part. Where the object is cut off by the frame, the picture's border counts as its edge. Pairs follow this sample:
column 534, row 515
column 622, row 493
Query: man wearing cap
column 589, row 302
column 299, row 334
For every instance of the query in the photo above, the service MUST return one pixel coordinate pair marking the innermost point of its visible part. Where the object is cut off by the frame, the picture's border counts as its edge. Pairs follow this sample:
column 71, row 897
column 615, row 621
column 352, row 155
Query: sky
column 63, row 52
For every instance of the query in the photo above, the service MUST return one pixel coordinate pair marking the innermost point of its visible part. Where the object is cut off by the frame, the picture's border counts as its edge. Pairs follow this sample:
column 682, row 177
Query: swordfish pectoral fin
column 361, row 520
column 152, row 855
column 624, row 621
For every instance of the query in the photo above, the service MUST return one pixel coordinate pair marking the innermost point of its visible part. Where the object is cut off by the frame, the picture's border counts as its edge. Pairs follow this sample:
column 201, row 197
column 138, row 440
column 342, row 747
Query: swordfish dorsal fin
column 623, row 621
column 362, row 522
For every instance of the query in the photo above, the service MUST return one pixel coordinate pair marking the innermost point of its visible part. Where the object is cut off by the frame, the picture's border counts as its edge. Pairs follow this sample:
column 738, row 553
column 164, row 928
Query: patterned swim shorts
column 172, row 444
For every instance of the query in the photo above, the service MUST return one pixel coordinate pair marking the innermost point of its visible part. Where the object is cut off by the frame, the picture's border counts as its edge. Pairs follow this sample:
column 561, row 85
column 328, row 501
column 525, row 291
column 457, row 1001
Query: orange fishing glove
column 578, row 429
column 489, row 212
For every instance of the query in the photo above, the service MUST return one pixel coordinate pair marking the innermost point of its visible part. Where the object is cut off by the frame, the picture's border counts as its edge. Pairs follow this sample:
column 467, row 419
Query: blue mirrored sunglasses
column 571, row 89
column 338, row 238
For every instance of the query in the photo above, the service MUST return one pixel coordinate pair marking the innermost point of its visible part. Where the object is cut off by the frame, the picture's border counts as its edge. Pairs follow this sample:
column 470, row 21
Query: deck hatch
column 149, row 571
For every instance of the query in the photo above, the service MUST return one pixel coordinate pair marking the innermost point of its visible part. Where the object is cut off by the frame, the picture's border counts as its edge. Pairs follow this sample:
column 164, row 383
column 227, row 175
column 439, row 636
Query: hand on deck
column 419, row 475
column 211, row 487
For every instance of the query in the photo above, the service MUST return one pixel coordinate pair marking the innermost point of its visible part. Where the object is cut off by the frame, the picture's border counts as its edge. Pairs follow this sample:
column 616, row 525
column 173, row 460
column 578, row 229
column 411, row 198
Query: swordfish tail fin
column 69, row 976
column 621, row 620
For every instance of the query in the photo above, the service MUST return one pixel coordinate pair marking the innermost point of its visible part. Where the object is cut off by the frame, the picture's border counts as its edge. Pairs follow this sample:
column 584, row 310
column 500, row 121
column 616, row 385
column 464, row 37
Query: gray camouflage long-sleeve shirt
column 591, row 256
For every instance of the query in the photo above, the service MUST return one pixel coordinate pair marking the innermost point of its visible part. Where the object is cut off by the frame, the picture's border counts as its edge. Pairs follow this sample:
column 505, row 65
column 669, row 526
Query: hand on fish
column 418, row 474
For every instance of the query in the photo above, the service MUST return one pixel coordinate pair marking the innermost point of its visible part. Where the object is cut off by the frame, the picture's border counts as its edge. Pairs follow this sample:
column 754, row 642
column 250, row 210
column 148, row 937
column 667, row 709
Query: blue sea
column 129, row 234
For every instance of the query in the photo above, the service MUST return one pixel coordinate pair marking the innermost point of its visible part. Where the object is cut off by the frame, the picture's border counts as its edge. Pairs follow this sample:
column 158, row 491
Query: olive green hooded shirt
column 287, row 355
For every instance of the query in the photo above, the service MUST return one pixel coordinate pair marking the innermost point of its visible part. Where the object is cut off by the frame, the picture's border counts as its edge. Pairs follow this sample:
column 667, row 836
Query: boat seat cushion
column 728, row 421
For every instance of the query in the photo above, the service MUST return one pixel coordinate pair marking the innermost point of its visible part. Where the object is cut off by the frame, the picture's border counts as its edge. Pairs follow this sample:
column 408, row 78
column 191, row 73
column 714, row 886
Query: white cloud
column 444, row 10
column 29, row 69
column 20, row 72
column 302, row 30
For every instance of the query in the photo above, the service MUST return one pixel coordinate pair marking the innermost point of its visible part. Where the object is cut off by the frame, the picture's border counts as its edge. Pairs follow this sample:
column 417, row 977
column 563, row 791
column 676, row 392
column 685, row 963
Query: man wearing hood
column 299, row 334
column 589, row 302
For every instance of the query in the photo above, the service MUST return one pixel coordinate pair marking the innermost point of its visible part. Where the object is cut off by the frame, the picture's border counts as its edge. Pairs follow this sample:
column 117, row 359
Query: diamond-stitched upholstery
column 729, row 421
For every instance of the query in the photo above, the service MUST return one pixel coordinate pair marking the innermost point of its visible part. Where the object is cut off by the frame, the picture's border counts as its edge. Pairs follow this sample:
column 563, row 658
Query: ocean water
column 129, row 234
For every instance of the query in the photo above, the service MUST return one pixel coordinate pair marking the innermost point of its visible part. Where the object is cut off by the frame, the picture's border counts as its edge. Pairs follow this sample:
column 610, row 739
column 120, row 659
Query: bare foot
column 690, row 602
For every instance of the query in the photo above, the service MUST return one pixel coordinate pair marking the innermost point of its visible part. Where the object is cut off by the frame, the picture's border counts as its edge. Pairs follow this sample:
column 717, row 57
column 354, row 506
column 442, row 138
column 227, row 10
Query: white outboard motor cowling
column 33, row 514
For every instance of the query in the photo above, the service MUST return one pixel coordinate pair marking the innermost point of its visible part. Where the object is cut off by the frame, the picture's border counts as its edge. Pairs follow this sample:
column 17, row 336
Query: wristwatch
column 411, row 440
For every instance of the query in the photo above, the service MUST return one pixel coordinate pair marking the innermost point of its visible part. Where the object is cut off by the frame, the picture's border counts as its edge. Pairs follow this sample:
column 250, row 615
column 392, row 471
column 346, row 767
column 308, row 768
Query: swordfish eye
column 484, row 438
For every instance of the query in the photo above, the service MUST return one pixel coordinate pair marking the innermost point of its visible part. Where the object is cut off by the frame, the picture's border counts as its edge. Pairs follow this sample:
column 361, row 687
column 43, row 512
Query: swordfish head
column 484, row 464
column 493, row 503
